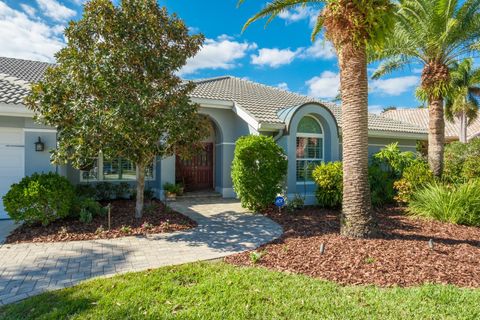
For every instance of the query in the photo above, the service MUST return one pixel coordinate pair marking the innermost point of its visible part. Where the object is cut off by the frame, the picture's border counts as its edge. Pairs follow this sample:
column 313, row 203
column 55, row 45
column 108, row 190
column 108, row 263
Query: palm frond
column 388, row 66
column 273, row 9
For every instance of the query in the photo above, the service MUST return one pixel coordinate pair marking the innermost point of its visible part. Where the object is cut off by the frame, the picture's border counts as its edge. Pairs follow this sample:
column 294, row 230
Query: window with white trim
column 116, row 169
column 309, row 148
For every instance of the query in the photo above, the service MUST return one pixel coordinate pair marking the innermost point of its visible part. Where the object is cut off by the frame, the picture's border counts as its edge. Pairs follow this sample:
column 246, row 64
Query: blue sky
column 280, row 55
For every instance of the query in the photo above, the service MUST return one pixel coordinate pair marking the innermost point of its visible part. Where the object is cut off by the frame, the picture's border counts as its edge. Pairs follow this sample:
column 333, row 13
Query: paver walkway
column 224, row 228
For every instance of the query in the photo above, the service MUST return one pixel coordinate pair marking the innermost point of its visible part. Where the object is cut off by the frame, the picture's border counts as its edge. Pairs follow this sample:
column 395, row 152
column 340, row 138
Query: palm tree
column 351, row 26
column 435, row 34
column 462, row 102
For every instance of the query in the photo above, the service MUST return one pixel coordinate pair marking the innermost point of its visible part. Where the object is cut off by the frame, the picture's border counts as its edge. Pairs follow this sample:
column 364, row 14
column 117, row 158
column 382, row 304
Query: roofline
column 397, row 134
column 15, row 110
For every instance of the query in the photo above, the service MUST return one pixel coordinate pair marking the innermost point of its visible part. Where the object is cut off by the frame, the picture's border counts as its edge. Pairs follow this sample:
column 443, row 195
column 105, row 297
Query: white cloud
column 394, row 86
column 274, row 57
column 320, row 49
column 375, row 108
column 298, row 14
column 325, row 86
column 283, row 86
column 29, row 10
column 55, row 10
column 221, row 53
column 22, row 37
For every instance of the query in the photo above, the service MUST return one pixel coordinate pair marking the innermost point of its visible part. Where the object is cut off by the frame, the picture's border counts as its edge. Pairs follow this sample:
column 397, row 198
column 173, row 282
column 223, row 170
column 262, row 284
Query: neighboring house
column 309, row 131
column 419, row 117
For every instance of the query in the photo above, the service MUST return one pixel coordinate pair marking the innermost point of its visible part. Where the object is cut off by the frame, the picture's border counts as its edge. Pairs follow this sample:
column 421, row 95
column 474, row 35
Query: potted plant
column 170, row 191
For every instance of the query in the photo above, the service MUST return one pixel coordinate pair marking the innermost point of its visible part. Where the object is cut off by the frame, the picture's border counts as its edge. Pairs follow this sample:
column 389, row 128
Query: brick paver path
column 223, row 228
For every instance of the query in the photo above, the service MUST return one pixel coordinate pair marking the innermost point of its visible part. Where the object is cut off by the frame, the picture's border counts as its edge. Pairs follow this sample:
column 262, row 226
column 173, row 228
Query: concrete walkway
column 223, row 228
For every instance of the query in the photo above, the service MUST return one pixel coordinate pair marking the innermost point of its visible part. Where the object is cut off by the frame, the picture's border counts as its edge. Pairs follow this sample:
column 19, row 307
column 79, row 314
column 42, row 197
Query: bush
column 461, row 161
column 414, row 178
column 329, row 180
column 83, row 204
column 296, row 203
column 39, row 198
column 85, row 216
column 381, row 186
column 258, row 170
column 105, row 191
column 393, row 161
column 456, row 204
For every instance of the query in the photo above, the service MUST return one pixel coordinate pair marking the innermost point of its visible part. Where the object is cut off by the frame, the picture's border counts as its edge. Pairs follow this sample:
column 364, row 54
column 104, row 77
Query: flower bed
column 156, row 219
column 401, row 254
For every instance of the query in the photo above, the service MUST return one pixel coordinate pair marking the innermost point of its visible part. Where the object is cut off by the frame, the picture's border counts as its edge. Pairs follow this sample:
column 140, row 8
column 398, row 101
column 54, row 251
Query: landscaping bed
column 400, row 255
column 156, row 219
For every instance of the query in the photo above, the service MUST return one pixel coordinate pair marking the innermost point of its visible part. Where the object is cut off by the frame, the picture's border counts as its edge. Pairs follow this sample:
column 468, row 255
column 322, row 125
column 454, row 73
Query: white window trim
column 309, row 135
column 101, row 178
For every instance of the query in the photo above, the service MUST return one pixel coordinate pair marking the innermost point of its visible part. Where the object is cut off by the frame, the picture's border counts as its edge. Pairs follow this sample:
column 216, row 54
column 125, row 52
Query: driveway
column 224, row 228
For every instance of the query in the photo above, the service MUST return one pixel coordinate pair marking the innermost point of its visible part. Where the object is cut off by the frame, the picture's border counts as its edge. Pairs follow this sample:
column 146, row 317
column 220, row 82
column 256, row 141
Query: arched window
column 309, row 147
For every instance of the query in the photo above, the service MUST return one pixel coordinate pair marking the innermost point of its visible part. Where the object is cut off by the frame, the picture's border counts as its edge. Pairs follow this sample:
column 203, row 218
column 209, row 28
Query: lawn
column 222, row 291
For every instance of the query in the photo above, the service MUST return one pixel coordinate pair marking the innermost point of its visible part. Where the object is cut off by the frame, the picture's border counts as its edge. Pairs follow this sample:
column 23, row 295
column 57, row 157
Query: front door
column 196, row 173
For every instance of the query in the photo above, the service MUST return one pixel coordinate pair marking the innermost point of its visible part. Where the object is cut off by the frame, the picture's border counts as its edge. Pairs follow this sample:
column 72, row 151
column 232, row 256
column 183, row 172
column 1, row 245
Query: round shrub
column 414, row 178
column 329, row 179
column 258, row 170
column 39, row 198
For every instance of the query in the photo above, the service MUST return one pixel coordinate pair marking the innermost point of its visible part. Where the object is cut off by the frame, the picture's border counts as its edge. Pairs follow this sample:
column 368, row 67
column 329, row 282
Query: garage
column 11, row 161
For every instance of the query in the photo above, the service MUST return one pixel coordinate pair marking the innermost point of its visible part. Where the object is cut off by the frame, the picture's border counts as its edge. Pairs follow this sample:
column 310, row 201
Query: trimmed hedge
column 39, row 198
column 259, row 168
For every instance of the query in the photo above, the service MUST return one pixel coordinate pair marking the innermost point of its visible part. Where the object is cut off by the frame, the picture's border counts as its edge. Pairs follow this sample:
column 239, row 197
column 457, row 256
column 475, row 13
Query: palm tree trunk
column 357, row 216
column 436, row 136
column 463, row 127
column 140, row 171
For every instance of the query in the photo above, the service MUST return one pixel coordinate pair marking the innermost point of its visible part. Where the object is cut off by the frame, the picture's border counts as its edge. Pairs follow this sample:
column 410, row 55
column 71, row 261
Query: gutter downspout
column 278, row 135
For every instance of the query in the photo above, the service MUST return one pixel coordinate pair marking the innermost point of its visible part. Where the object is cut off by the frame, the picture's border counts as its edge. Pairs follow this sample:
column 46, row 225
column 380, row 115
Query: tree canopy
column 115, row 87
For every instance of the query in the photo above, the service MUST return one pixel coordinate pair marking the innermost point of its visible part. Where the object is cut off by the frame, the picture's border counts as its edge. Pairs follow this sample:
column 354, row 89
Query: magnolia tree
column 115, row 89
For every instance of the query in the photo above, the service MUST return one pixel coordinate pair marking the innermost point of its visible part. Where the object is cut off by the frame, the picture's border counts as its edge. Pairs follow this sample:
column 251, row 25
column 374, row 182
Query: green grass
column 221, row 291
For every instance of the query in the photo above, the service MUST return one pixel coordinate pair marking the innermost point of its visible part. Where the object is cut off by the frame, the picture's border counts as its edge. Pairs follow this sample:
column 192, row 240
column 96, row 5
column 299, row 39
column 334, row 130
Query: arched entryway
column 198, row 173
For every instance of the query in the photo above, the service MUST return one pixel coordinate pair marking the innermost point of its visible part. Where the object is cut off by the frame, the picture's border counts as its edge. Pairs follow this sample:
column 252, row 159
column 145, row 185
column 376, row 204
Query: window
column 309, row 147
column 116, row 169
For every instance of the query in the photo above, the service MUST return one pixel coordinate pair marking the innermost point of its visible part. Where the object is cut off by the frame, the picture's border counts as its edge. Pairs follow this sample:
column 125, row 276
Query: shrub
column 86, row 205
column 461, row 161
column 105, row 191
column 381, row 186
column 296, row 203
column 258, row 170
column 86, row 190
column 39, row 198
column 393, row 161
column 329, row 180
column 85, row 216
column 122, row 190
column 456, row 204
column 414, row 178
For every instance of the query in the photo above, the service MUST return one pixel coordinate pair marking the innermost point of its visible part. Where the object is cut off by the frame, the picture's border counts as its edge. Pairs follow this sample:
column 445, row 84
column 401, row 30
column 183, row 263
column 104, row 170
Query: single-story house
column 309, row 130
column 419, row 117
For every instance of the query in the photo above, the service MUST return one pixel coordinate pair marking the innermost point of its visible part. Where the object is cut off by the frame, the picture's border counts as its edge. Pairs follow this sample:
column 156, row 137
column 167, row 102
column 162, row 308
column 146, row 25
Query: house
column 419, row 117
column 309, row 131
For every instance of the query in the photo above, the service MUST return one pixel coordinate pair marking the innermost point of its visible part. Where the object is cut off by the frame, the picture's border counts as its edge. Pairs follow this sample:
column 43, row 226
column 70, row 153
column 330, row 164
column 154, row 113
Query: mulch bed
column 399, row 256
column 122, row 214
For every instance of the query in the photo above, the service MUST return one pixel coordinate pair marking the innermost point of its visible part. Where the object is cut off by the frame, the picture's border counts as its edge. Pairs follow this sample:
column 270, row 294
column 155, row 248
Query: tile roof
column 27, row 70
column 419, row 117
column 263, row 102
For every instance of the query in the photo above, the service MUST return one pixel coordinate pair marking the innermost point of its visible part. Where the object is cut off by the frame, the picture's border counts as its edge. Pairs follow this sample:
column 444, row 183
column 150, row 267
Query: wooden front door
column 196, row 173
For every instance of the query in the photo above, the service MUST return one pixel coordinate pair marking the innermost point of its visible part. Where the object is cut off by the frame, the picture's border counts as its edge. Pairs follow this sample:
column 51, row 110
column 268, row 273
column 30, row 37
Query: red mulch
column 122, row 214
column 400, row 255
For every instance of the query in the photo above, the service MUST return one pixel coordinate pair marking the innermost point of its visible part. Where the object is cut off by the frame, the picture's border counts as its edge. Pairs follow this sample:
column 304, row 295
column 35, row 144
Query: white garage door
column 11, row 161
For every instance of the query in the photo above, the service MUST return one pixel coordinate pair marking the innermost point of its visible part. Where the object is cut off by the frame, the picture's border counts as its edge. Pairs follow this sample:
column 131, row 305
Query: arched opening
column 198, row 172
column 309, row 147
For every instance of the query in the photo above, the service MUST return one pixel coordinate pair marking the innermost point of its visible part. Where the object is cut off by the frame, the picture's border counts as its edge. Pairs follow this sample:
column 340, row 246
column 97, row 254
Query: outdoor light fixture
column 39, row 145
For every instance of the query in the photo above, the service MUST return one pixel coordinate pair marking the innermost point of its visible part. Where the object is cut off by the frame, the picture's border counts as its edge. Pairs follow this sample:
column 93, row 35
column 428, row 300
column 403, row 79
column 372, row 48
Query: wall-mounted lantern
column 39, row 145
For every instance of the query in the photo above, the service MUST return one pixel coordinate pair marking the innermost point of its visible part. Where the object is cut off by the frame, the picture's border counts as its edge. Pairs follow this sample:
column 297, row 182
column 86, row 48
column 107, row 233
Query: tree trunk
column 140, row 190
column 462, row 136
column 436, row 136
column 357, row 216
